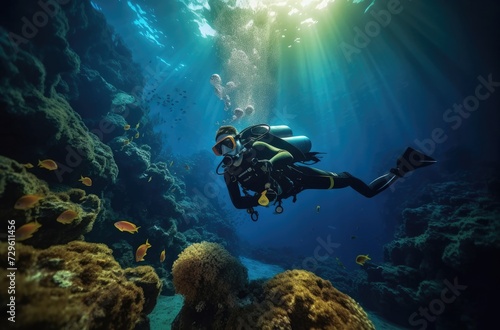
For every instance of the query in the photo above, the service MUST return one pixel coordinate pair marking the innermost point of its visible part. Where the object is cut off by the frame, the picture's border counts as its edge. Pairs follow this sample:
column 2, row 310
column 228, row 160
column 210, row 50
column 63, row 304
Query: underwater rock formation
column 209, row 278
column 298, row 299
column 77, row 286
column 217, row 297
column 16, row 181
column 145, row 278
column 33, row 117
column 207, row 272
column 445, row 249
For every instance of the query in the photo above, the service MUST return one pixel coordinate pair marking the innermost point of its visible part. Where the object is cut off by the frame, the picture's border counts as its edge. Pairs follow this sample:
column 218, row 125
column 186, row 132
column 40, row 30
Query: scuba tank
column 301, row 142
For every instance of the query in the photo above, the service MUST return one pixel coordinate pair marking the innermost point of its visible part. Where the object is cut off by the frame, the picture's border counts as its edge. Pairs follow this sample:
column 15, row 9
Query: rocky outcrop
column 77, row 286
column 441, row 259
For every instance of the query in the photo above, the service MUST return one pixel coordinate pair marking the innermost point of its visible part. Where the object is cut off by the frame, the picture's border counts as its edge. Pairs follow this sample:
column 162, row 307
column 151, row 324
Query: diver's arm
column 240, row 202
column 279, row 158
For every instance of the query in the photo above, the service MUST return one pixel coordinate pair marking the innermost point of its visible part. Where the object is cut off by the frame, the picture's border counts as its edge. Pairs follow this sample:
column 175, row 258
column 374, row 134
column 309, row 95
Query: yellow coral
column 298, row 299
column 76, row 286
column 207, row 272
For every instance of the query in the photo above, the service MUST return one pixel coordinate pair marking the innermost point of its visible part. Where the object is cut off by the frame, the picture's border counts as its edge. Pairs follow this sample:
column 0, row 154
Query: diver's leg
column 368, row 190
column 314, row 178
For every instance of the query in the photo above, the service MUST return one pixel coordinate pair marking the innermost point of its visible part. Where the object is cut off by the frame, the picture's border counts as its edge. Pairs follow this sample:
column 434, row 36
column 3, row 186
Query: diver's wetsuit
column 288, row 179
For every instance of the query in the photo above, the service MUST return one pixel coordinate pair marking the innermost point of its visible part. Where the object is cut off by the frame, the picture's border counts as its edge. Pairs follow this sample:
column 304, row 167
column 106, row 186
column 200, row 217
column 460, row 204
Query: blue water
column 362, row 113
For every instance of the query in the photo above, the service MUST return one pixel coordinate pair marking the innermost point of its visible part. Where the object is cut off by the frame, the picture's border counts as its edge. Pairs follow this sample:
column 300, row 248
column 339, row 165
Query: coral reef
column 16, row 181
column 145, row 278
column 36, row 112
column 298, row 299
column 447, row 242
column 209, row 278
column 207, row 272
column 216, row 297
column 77, row 286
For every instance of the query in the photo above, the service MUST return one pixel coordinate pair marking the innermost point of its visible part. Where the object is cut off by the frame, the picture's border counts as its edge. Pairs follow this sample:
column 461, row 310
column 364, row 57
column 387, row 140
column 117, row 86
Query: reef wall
column 79, row 155
column 439, row 268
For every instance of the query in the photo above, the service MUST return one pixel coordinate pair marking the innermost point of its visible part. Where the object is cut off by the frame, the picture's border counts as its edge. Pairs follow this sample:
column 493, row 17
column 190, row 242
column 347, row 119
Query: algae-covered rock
column 298, row 299
column 16, row 181
column 41, row 120
column 76, row 286
column 209, row 278
column 146, row 278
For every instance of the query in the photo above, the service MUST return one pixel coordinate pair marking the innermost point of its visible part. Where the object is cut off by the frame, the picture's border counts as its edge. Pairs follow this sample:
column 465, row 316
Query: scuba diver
column 263, row 159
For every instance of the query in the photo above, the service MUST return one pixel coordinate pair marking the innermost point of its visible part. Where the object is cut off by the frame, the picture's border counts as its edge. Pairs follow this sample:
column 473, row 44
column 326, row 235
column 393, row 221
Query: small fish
column 27, row 202
column 126, row 127
column 141, row 251
column 317, row 208
column 149, row 180
column 85, row 180
column 137, row 135
column 162, row 256
column 27, row 230
column 28, row 165
column 187, row 167
column 138, row 125
column 129, row 227
column 362, row 258
column 353, row 237
column 67, row 217
column 47, row 164
column 171, row 163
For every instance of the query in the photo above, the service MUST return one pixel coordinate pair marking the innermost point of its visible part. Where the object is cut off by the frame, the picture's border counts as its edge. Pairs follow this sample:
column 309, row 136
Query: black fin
column 411, row 160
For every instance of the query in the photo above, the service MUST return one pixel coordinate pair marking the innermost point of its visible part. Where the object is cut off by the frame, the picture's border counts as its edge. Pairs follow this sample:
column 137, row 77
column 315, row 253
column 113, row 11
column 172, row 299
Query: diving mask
column 226, row 145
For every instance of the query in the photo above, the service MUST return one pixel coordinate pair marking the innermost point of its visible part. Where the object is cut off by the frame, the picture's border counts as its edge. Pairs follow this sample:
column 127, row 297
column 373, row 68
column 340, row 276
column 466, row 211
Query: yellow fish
column 129, row 227
column 137, row 135
column 126, row 127
column 162, row 256
column 47, row 164
column 28, row 165
column 138, row 124
column 362, row 258
column 67, row 217
column 27, row 202
column 27, row 230
column 141, row 251
column 86, row 180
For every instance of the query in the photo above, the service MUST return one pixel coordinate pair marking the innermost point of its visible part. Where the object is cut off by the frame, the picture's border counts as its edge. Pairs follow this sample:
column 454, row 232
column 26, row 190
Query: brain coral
column 298, row 299
column 74, row 286
column 206, row 272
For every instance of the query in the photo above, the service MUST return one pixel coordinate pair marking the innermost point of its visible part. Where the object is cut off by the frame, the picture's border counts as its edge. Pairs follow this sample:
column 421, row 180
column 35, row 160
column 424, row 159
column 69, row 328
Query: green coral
column 63, row 278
